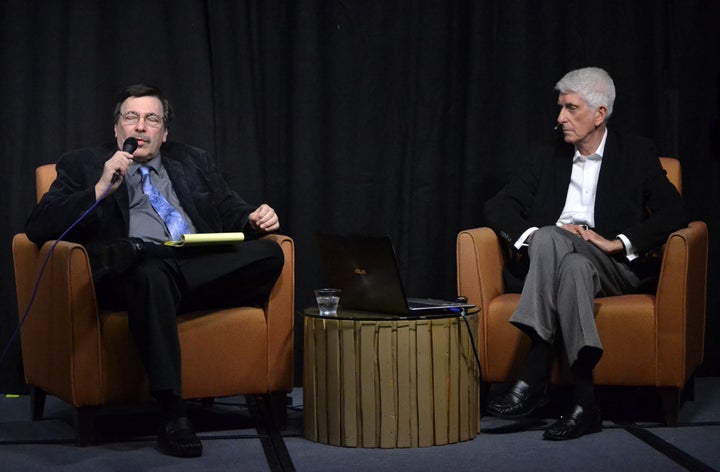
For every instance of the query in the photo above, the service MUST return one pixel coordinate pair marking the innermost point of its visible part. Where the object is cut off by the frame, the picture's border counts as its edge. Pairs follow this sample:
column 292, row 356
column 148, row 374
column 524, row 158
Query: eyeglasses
column 131, row 119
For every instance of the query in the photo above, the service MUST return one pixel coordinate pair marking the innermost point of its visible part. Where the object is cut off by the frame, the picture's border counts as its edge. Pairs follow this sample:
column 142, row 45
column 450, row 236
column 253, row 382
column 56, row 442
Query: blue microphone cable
column 42, row 270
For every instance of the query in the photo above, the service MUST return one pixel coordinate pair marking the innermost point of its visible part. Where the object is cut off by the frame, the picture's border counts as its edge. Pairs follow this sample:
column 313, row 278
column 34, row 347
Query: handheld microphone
column 129, row 146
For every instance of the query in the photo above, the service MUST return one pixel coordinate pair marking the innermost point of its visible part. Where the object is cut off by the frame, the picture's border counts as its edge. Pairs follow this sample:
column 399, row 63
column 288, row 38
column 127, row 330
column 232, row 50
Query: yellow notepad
column 207, row 238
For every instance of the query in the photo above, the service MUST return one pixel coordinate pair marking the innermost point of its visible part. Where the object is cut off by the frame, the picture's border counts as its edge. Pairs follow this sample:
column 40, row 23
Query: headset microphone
column 129, row 146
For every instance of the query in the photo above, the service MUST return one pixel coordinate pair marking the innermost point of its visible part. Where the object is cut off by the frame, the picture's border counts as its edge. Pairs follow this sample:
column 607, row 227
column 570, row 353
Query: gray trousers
column 565, row 275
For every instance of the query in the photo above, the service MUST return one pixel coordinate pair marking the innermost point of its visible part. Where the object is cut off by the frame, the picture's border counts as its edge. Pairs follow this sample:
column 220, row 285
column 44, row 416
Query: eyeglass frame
column 123, row 116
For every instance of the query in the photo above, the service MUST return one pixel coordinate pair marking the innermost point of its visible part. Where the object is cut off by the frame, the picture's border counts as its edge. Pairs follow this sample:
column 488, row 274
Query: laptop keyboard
column 423, row 302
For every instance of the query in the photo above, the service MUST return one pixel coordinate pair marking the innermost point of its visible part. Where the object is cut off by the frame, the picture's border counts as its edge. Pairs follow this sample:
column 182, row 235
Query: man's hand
column 119, row 162
column 608, row 246
column 264, row 219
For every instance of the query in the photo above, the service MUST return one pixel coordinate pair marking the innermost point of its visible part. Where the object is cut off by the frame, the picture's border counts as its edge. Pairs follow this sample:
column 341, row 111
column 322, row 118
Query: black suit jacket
column 203, row 194
column 634, row 196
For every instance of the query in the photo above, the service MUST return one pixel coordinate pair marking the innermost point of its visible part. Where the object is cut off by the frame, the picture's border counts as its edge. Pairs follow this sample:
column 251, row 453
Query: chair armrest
column 64, row 348
column 280, row 312
column 681, row 301
column 479, row 266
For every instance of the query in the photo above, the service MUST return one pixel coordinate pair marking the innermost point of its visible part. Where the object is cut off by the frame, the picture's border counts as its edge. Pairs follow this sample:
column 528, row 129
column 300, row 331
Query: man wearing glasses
column 150, row 195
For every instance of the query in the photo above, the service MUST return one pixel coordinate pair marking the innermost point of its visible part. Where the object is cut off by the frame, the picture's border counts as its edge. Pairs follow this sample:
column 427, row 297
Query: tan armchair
column 86, row 357
column 649, row 340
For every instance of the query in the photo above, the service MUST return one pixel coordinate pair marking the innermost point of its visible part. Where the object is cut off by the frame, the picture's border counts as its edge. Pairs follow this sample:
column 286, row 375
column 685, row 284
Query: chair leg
column 484, row 396
column 670, row 400
column 277, row 404
column 84, row 424
column 37, row 402
column 688, row 393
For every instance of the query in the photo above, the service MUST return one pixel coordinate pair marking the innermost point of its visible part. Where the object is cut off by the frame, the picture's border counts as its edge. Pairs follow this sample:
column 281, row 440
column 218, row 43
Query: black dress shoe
column 177, row 438
column 576, row 422
column 519, row 400
column 114, row 257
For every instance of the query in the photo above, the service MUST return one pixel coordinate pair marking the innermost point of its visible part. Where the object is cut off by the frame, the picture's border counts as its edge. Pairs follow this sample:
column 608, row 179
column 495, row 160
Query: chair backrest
column 673, row 170
column 44, row 177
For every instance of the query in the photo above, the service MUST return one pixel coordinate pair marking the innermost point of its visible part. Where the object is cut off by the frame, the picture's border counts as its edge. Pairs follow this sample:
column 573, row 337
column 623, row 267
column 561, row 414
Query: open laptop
column 366, row 269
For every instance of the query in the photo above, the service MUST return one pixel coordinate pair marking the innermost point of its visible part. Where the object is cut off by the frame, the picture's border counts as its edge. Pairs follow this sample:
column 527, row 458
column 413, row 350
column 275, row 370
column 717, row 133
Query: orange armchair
column 649, row 340
column 86, row 357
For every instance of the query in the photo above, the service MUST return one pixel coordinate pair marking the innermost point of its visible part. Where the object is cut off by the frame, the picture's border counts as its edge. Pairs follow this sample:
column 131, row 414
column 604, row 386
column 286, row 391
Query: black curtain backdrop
column 396, row 117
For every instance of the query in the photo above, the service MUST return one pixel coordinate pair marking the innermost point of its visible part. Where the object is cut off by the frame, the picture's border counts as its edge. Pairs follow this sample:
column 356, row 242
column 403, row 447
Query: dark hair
column 143, row 90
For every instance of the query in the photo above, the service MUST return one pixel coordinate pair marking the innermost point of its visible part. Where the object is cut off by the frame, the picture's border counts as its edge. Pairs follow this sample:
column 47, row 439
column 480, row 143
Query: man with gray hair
column 585, row 213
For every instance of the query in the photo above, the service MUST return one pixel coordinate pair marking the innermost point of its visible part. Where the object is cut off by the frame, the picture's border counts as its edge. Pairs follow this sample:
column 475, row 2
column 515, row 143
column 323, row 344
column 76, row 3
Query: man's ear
column 600, row 115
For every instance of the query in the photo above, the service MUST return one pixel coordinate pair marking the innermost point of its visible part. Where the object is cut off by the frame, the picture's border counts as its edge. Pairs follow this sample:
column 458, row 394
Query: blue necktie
column 174, row 221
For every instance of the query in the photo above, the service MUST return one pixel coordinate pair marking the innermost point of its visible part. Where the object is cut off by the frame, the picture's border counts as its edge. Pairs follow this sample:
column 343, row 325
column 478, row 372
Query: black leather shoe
column 519, row 400
column 115, row 257
column 177, row 438
column 575, row 423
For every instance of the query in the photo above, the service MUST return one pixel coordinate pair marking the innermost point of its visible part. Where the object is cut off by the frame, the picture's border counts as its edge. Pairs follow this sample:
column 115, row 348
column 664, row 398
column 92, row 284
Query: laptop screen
column 365, row 268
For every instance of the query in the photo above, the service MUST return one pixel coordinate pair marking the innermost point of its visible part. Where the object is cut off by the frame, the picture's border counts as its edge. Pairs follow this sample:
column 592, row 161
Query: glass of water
column 327, row 300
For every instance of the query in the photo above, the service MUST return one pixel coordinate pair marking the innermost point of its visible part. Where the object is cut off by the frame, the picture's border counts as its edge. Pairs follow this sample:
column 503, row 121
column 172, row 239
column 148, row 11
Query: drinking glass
column 327, row 300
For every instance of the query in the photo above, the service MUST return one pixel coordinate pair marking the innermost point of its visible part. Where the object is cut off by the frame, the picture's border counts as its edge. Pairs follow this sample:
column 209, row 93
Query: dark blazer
column 203, row 194
column 634, row 196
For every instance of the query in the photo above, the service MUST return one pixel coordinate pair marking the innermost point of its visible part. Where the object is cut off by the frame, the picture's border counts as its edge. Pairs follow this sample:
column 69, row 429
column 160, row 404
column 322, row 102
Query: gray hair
column 593, row 84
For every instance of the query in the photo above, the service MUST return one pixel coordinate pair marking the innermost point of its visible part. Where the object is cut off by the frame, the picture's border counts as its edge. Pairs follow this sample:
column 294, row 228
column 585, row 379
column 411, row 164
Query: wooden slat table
column 373, row 380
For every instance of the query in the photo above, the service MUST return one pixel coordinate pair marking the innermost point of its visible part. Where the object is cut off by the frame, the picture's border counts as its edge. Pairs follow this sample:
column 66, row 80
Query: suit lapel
column 121, row 199
column 181, row 186
column 563, row 170
column 561, row 173
column 608, row 172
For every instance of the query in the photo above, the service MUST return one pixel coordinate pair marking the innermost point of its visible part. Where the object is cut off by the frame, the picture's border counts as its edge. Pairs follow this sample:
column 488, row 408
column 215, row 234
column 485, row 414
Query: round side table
column 380, row 380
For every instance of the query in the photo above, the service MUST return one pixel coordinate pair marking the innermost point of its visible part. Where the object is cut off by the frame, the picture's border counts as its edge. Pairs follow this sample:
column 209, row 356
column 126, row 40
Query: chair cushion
column 626, row 326
column 224, row 353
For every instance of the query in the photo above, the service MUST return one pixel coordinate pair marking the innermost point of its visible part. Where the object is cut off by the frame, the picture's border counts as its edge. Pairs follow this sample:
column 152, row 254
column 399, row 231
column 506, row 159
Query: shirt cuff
column 629, row 249
column 521, row 240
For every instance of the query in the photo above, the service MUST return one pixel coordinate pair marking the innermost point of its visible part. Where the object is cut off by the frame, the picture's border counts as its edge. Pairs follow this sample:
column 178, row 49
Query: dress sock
column 171, row 405
column 537, row 362
column 582, row 375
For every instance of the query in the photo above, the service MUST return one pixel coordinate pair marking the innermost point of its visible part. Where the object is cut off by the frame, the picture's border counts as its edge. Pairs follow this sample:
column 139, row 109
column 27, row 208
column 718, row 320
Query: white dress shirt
column 580, row 201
